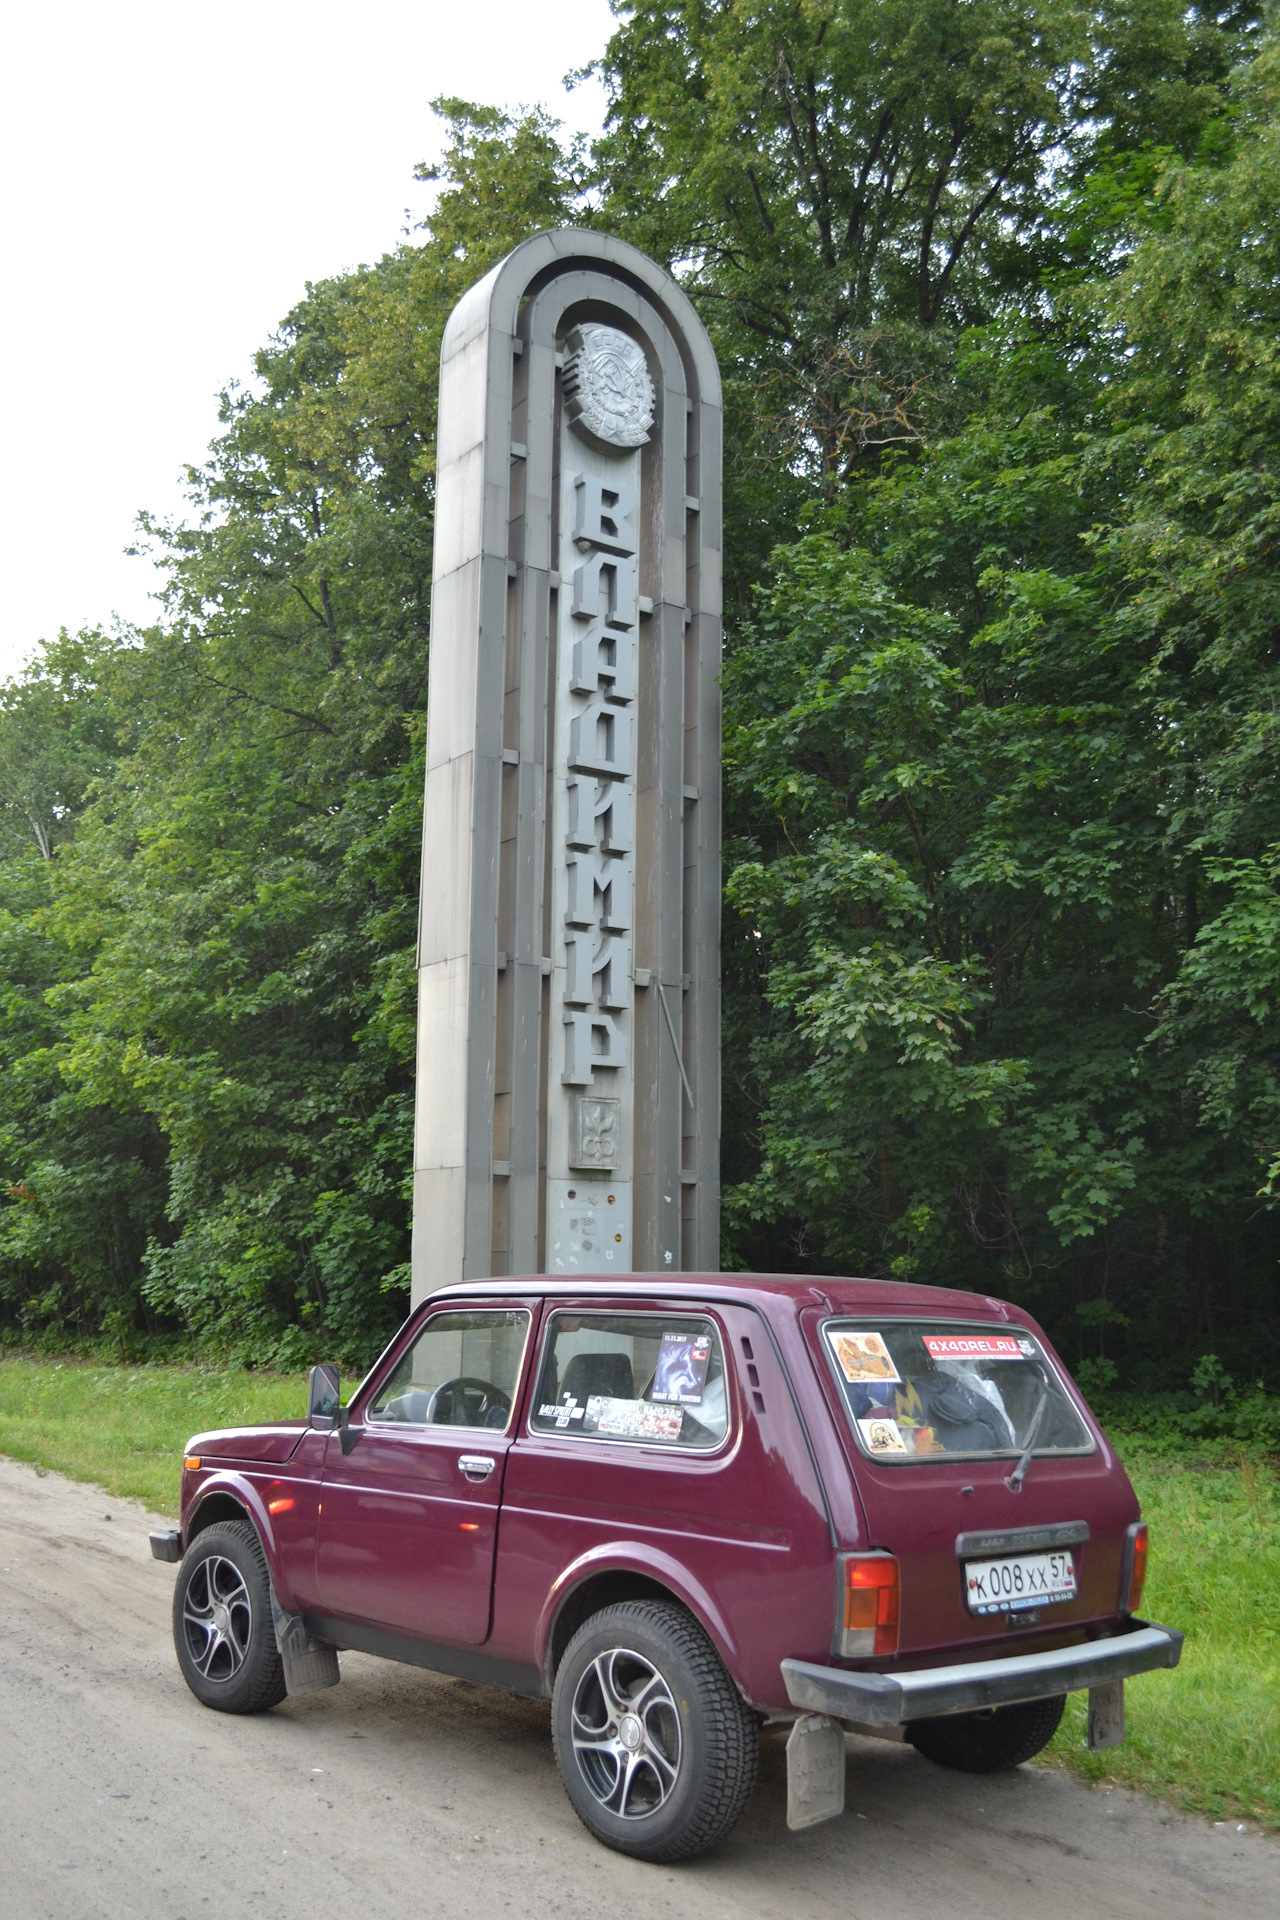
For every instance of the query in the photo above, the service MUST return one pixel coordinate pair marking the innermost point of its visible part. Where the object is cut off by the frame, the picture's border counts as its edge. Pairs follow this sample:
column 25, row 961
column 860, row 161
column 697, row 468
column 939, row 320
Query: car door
column 633, row 1441
column 408, row 1520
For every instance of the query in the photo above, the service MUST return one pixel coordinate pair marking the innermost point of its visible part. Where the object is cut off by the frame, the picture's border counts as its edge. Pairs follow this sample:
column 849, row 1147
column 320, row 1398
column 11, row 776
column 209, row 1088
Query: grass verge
column 1206, row 1737
column 124, row 1427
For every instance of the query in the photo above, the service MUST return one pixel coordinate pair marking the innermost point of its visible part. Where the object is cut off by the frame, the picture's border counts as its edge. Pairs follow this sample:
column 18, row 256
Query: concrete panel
column 439, row 1112
column 451, row 698
column 437, row 1228
column 459, row 510
column 444, row 913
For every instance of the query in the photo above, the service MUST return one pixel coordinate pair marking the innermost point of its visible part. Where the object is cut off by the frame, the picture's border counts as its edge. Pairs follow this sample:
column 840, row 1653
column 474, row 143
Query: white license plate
column 1019, row 1581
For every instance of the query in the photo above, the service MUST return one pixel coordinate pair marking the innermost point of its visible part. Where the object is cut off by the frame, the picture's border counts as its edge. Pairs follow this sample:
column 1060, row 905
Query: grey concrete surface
column 402, row 1794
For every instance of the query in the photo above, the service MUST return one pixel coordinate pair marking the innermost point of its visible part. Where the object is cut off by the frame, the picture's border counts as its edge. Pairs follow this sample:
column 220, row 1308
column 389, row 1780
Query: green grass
column 1206, row 1738
column 124, row 1427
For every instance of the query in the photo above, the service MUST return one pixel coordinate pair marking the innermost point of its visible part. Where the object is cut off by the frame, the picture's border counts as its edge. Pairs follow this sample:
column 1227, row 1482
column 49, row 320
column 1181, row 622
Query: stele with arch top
column 568, row 1068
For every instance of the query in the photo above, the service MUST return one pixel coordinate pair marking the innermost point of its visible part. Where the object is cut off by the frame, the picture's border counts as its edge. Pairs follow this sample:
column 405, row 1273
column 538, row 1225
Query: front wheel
column 656, row 1747
column 992, row 1741
column 222, row 1626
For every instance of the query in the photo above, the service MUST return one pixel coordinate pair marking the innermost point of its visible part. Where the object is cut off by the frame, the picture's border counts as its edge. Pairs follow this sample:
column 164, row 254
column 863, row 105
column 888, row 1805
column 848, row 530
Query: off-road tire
column 992, row 1741
column 256, row 1681
column 719, row 1740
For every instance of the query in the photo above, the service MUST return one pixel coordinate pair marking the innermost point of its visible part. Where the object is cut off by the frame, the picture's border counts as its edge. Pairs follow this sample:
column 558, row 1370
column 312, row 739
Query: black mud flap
column 309, row 1665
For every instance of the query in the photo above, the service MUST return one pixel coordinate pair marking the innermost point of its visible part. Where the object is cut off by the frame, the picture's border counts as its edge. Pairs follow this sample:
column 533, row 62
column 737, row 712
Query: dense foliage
column 996, row 290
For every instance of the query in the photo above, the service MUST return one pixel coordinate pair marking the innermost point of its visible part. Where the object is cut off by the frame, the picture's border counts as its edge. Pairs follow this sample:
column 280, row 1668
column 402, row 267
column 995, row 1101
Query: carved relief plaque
column 597, row 1127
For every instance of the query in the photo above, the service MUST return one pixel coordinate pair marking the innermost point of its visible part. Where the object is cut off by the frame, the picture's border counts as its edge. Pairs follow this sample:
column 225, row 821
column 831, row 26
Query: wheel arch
column 233, row 1499
column 215, row 1506
column 610, row 1576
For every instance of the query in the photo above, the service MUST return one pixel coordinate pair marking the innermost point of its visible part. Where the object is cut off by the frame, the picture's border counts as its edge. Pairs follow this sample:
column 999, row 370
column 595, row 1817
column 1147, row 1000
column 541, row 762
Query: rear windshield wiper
column 1015, row 1479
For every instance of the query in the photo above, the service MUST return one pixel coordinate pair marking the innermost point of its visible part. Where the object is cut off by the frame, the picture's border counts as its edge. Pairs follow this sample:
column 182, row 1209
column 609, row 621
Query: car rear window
column 653, row 1380
column 916, row 1389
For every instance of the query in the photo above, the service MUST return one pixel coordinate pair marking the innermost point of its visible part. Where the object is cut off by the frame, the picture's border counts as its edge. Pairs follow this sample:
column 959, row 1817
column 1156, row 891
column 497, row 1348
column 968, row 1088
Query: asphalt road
column 403, row 1796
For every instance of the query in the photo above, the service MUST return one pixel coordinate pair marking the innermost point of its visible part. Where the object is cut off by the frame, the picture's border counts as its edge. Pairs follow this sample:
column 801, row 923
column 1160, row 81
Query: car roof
column 830, row 1292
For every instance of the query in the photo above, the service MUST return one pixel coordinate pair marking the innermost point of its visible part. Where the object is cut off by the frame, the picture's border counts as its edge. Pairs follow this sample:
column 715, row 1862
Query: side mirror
column 323, row 1403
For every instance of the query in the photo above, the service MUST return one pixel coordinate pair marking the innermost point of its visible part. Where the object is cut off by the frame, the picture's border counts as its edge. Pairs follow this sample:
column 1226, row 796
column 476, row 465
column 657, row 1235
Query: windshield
column 919, row 1388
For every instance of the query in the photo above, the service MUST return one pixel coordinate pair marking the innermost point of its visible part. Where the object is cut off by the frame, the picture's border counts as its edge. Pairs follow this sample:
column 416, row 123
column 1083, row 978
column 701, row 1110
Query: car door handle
column 476, row 1466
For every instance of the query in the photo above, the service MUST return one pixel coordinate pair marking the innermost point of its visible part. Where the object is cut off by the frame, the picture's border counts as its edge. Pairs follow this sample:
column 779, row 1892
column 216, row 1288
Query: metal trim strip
column 974, row 1546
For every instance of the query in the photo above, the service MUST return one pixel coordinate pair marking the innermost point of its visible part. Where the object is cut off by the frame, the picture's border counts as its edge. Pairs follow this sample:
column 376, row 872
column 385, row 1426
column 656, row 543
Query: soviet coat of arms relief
column 608, row 392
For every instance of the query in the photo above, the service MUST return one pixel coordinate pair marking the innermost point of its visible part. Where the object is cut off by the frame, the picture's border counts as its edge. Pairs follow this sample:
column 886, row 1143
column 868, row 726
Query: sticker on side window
column 863, row 1357
column 567, row 1410
column 977, row 1346
column 681, row 1372
column 882, row 1436
column 631, row 1419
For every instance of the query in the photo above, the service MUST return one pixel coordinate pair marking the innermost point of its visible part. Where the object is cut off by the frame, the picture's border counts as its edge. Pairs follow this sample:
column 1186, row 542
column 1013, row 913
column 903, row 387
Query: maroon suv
column 681, row 1507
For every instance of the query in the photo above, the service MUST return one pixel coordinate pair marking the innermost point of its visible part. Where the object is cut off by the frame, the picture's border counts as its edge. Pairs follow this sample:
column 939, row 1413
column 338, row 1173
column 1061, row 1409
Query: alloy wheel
column 626, row 1734
column 217, row 1618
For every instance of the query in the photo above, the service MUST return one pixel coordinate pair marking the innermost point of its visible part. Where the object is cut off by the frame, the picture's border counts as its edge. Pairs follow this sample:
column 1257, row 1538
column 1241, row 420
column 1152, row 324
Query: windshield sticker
column 882, row 1436
column 863, row 1356
column 977, row 1346
column 681, row 1372
column 631, row 1419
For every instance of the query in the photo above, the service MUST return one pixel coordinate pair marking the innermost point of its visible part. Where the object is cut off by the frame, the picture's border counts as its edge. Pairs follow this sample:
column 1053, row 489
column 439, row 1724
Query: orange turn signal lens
column 870, row 1605
column 469, row 1526
column 280, row 1506
column 1135, row 1568
column 192, row 1462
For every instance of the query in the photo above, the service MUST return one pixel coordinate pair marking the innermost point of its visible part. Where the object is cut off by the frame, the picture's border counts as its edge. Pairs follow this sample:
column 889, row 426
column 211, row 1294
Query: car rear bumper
column 893, row 1699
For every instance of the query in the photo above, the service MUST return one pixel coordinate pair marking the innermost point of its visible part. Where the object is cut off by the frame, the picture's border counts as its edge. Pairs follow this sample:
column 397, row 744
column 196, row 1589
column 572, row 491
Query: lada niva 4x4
column 681, row 1508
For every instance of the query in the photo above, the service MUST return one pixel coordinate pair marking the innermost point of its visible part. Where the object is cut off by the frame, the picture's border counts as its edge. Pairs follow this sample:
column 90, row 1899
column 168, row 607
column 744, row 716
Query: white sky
column 173, row 175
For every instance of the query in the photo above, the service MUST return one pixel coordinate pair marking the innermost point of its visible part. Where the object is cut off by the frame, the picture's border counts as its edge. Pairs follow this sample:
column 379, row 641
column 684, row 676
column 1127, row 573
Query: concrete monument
column 567, row 1114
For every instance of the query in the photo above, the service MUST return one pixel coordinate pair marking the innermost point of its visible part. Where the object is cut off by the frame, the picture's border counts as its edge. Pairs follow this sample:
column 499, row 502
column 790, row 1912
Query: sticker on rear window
column 863, row 1357
column 882, row 1436
column 681, row 1372
column 977, row 1346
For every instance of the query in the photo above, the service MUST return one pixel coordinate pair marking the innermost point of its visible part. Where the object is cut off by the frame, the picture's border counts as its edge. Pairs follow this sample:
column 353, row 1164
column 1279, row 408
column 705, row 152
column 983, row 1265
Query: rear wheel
column 991, row 1741
column 656, row 1747
column 222, row 1626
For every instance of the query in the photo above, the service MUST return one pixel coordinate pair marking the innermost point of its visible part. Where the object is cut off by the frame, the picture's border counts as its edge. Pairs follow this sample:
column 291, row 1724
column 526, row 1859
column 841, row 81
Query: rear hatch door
column 924, row 1506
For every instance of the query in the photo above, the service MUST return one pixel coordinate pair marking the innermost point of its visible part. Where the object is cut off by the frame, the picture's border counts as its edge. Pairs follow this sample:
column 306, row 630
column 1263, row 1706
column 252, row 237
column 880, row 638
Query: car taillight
column 1134, row 1574
column 867, row 1616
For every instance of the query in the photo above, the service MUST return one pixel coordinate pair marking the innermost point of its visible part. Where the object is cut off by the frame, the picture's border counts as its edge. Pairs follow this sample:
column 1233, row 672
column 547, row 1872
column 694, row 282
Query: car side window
column 644, row 1379
column 461, row 1371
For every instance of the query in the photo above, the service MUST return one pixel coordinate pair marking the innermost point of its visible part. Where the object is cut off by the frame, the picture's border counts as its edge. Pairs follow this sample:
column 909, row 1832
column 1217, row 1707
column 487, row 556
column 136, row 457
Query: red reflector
column 279, row 1506
column 1137, row 1566
column 871, row 1601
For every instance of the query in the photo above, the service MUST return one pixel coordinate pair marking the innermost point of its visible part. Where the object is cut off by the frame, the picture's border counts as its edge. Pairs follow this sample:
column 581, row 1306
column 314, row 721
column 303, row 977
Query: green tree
column 844, row 182
column 219, row 961
column 1007, row 860
column 994, row 291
